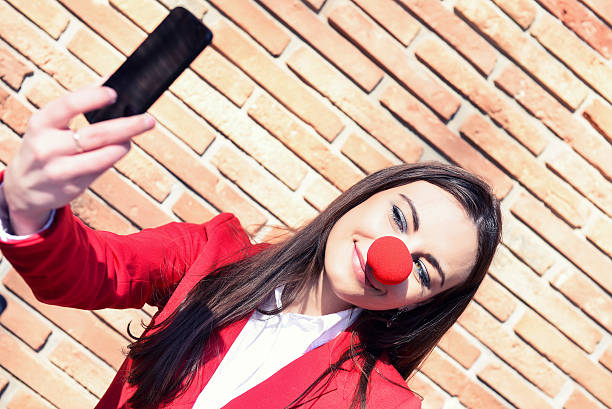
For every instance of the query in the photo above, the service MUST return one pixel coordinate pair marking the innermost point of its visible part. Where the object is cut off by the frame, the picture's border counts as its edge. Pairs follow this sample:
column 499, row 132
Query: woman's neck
column 318, row 299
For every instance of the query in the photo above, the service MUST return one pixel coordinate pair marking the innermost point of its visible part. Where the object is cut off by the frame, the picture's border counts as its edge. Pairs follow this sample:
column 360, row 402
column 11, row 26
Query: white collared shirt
column 265, row 345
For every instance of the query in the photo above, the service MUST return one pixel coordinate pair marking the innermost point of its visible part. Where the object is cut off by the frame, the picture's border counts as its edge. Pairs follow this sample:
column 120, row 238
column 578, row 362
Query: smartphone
column 155, row 64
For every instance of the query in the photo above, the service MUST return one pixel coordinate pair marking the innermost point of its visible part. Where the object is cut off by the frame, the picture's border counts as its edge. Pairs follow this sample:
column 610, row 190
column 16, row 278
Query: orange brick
column 328, row 42
column 315, row 4
column 98, row 215
column 272, row 116
column 194, row 174
column 9, row 144
column 3, row 383
column 578, row 57
column 24, row 399
column 269, row 192
column 108, row 23
column 455, row 32
column 43, row 91
column 512, row 350
column 188, row 208
column 606, row 358
column 600, row 234
column 129, row 201
column 146, row 13
column 223, row 76
column 24, row 364
column 320, row 193
column 150, row 310
column 482, row 94
column 41, row 50
column 243, row 131
column 457, row 345
column 599, row 114
column 408, row 108
column 147, row 174
column 585, row 179
column 95, row 376
column 508, row 384
column 196, row 7
column 527, row 246
column 567, row 356
column 119, row 319
column 538, row 295
column 601, row 8
column 183, row 122
column 578, row 400
column 520, row 164
column 381, row 47
column 560, row 236
column 586, row 295
column 27, row 326
column 558, row 119
column 13, row 112
column 95, row 52
column 46, row 14
column 344, row 94
column 518, row 46
column 456, row 382
column 431, row 398
column 521, row 11
column 12, row 69
column 495, row 299
column 81, row 325
column 256, row 23
column 276, row 234
column 364, row 154
column 286, row 89
column 392, row 17
column 578, row 18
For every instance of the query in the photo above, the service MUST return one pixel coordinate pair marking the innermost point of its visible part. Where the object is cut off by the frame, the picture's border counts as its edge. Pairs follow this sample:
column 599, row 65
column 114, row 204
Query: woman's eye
column 399, row 218
column 422, row 272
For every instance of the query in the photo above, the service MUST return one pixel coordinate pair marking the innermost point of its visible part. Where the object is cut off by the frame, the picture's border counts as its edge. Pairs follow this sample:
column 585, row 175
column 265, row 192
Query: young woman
column 302, row 323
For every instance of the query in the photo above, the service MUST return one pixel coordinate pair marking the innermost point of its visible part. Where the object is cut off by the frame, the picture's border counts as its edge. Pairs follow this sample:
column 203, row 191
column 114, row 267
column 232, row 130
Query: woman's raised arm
column 68, row 263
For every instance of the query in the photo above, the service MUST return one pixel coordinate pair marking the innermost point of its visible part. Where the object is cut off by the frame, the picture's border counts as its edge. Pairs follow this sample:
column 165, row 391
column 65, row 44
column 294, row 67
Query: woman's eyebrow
column 415, row 215
column 428, row 257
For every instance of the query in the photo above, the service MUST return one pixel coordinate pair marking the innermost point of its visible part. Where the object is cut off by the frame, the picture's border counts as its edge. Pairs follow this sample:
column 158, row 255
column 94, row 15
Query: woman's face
column 430, row 221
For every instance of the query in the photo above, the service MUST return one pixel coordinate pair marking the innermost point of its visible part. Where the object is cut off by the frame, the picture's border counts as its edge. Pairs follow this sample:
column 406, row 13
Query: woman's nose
column 390, row 260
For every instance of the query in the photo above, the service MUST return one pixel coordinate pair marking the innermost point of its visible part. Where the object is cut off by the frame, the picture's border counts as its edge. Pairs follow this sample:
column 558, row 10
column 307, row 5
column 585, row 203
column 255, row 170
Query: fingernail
column 112, row 94
column 149, row 120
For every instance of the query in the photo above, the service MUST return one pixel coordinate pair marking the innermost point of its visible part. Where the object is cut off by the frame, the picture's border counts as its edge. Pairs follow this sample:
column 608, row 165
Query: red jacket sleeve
column 72, row 265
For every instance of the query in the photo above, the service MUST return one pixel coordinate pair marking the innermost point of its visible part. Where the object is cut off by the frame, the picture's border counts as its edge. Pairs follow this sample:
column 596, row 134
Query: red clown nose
column 390, row 260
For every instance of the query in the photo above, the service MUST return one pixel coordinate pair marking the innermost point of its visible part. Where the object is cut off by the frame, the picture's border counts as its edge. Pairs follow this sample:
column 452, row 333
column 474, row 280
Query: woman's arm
column 67, row 263
column 72, row 265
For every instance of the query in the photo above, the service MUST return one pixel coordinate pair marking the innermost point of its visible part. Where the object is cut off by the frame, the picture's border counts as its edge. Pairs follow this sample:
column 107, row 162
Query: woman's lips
column 364, row 270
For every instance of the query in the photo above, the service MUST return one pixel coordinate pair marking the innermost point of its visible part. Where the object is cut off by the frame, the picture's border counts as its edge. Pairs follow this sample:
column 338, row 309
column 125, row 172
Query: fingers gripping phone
column 155, row 64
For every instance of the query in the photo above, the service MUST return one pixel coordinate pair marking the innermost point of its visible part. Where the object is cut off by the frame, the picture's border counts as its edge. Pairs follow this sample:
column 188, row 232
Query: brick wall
column 297, row 100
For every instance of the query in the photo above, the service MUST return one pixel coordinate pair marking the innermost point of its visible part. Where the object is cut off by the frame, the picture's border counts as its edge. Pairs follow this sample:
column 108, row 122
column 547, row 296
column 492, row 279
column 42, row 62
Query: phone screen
column 155, row 64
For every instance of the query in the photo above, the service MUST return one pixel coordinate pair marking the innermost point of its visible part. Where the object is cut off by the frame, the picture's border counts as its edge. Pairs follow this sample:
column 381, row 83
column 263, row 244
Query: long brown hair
column 166, row 361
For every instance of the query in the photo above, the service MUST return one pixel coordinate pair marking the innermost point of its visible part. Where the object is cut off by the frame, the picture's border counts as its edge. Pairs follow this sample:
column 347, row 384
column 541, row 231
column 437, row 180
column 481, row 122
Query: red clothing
column 72, row 265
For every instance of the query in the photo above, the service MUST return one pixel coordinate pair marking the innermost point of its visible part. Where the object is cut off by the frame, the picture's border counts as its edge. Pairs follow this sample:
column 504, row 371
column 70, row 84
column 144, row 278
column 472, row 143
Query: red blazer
column 72, row 265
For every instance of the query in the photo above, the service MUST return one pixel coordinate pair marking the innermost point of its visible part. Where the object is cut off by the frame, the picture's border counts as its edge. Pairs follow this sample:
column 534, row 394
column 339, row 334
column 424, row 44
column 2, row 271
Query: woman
column 302, row 323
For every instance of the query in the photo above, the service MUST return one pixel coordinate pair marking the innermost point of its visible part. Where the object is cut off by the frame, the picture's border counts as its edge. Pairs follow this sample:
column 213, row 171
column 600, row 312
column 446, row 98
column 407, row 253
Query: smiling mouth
column 366, row 269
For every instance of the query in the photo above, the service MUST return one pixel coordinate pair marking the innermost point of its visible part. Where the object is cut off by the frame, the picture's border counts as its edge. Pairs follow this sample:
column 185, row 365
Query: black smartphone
column 155, row 64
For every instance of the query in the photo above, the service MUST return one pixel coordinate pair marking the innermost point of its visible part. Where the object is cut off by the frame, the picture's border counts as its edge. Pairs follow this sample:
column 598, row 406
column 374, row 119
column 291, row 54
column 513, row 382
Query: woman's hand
column 53, row 166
